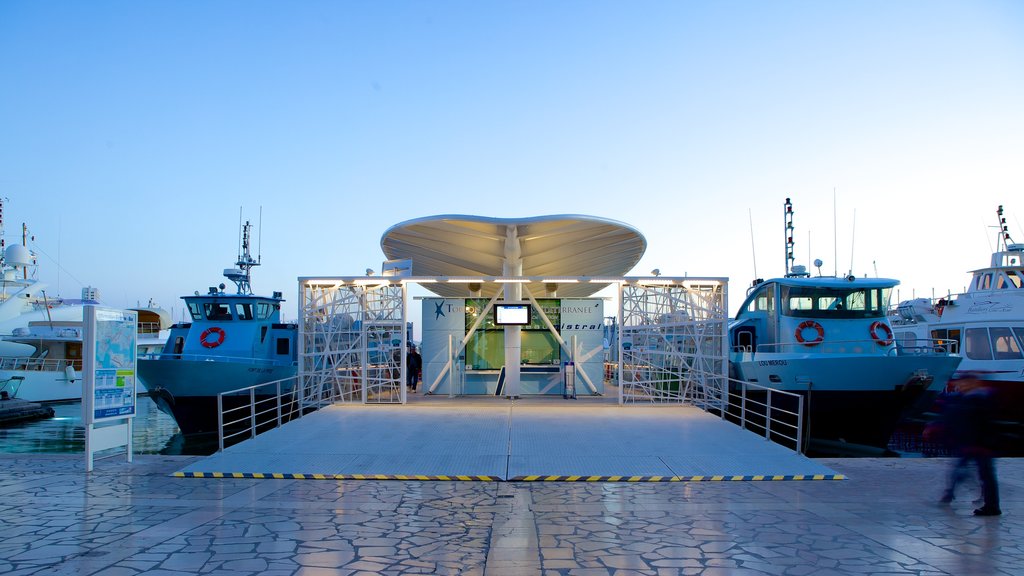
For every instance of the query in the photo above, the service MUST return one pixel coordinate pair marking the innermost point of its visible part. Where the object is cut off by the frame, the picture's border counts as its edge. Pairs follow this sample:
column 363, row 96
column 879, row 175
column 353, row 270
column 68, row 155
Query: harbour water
column 154, row 433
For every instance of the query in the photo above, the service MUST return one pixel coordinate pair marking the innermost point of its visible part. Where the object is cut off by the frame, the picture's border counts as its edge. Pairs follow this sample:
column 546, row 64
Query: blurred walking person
column 968, row 428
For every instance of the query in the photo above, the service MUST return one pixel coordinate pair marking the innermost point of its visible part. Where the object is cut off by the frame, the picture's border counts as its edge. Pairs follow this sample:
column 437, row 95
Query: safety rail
column 861, row 346
column 149, row 327
column 208, row 358
column 246, row 412
column 41, row 364
column 778, row 415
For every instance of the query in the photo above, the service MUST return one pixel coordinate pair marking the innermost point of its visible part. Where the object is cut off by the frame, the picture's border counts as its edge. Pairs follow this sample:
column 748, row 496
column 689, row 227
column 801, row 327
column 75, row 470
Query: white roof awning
column 549, row 246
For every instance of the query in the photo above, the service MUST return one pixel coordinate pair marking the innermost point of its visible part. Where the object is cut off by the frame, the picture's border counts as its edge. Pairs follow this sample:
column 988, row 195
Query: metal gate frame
column 352, row 341
column 673, row 345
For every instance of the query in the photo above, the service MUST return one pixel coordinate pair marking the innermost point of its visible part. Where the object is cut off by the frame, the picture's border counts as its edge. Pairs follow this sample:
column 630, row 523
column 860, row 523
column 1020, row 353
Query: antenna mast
column 1004, row 232
column 788, row 216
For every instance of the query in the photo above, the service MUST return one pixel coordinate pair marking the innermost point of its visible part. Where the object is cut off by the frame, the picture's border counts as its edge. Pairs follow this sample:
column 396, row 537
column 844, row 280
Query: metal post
column 800, row 425
column 768, row 416
column 252, row 412
column 278, row 403
column 743, row 405
column 220, row 422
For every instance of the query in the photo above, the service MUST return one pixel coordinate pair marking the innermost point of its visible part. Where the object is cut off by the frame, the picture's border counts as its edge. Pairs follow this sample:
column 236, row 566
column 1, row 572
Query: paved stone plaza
column 126, row 519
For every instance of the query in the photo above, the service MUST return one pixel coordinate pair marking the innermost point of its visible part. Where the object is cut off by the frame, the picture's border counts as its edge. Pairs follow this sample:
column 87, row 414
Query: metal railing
column 860, row 346
column 208, row 358
column 246, row 412
column 778, row 415
column 41, row 364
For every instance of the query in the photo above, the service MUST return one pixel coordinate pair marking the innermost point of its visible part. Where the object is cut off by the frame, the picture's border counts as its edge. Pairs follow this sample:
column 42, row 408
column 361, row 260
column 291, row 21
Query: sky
column 134, row 135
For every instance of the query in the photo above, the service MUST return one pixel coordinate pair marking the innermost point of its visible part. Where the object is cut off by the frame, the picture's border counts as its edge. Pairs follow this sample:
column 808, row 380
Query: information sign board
column 109, row 350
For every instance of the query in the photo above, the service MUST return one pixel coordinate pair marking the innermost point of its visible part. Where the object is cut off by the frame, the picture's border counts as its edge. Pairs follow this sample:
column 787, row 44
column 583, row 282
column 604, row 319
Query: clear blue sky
column 132, row 132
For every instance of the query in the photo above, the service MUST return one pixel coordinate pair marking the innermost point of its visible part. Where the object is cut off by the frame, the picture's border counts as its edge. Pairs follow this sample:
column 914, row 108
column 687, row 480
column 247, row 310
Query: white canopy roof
column 549, row 246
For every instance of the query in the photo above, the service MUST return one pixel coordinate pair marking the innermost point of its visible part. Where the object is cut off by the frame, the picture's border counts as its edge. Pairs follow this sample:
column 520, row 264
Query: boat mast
column 242, row 273
column 1004, row 232
column 788, row 218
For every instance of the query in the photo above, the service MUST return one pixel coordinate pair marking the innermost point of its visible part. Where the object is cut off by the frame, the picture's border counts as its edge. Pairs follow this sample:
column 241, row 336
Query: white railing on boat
column 40, row 364
column 868, row 346
column 149, row 328
column 208, row 358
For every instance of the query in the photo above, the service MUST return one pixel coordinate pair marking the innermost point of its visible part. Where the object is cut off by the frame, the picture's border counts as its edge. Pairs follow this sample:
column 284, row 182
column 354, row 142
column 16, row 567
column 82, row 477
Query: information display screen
column 512, row 314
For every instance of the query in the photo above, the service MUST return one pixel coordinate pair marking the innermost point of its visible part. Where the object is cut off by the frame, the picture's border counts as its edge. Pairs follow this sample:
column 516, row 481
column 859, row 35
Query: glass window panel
column 217, row 311
column 976, row 344
column 1004, row 345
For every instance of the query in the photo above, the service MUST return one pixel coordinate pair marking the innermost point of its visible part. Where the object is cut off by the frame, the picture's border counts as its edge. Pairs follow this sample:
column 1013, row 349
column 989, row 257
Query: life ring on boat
column 810, row 324
column 216, row 341
column 885, row 328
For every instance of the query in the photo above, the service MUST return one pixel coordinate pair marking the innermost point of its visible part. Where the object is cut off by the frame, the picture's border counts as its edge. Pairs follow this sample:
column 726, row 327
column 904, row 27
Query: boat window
column 976, row 344
column 984, row 282
column 264, row 310
column 1004, row 346
column 217, row 311
column 283, row 347
column 195, row 310
column 1020, row 336
column 947, row 338
column 827, row 302
column 243, row 311
column 1013, row 278
column 764, row 301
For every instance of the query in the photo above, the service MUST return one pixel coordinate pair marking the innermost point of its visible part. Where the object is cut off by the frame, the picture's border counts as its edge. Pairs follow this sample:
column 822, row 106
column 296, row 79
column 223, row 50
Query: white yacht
column 985, row 324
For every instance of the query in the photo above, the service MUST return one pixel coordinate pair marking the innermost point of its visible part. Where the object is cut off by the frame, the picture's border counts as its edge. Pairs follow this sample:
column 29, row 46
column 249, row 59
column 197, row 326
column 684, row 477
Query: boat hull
column 45, row 385
column 187, row 390
column 855, row 400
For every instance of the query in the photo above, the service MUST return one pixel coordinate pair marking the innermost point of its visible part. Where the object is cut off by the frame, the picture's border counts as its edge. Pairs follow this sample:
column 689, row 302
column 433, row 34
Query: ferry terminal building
column 515, row 313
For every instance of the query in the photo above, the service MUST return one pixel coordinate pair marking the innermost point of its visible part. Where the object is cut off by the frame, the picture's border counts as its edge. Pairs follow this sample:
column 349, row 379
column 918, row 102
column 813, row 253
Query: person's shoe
column 985, row 511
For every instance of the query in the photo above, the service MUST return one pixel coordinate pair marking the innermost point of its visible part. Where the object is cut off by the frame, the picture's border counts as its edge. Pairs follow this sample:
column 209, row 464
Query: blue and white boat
column 828, row 339
column 233, row 341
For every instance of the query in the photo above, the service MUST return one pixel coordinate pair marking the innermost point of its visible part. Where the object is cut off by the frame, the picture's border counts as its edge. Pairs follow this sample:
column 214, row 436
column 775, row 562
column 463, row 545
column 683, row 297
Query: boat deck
column 530, row 439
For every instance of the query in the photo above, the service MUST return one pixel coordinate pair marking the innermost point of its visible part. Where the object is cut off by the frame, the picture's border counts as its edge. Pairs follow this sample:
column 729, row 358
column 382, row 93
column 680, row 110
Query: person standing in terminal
column 413, row 363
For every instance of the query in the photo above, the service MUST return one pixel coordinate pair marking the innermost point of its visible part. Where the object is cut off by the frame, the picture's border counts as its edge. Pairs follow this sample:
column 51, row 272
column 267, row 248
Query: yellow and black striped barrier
column 538, row 478
column 281, row 476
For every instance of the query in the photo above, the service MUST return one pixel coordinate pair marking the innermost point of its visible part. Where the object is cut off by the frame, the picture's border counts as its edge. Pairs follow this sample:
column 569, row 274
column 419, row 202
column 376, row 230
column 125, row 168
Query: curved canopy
column 549, row 246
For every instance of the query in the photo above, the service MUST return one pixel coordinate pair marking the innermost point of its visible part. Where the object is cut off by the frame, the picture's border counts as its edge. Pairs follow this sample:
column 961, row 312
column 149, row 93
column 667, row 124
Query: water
column 154, row 433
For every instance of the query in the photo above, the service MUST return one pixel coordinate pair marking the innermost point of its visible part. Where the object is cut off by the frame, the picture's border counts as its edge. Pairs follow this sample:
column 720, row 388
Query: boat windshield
column 827, row 302
column 217, row 311
column 195, row 310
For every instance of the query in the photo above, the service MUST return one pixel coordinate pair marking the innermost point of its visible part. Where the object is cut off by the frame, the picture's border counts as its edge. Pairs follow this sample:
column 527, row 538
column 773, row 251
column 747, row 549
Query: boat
column 985, row 325
column 233, row 341
column 46, row 354
column 14, row 409
column 828, row 340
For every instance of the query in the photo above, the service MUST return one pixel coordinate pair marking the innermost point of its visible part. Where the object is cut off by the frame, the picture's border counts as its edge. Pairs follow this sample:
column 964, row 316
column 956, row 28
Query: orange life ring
column 212, row 343
column 885, row 328
column 810, row 324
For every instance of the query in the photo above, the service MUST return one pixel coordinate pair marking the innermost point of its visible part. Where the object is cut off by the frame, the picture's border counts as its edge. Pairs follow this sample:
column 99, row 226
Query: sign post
column 109, row 387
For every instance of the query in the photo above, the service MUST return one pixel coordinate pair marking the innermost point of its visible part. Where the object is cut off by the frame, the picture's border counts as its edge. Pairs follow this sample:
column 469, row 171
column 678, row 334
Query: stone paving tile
column 124, row 520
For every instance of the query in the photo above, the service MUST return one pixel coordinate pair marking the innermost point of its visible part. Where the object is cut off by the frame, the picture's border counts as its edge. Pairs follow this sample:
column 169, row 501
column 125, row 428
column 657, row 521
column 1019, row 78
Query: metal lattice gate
column 673, row 343
column 353, row 342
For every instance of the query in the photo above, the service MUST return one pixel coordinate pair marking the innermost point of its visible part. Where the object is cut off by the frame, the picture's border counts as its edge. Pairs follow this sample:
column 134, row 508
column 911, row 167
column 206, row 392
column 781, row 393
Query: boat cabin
column 233, row 326
column 814, row 314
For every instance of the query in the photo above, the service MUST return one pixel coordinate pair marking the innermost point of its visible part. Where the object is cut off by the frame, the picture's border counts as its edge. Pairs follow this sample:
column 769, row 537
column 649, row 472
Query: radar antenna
column 242, row 273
